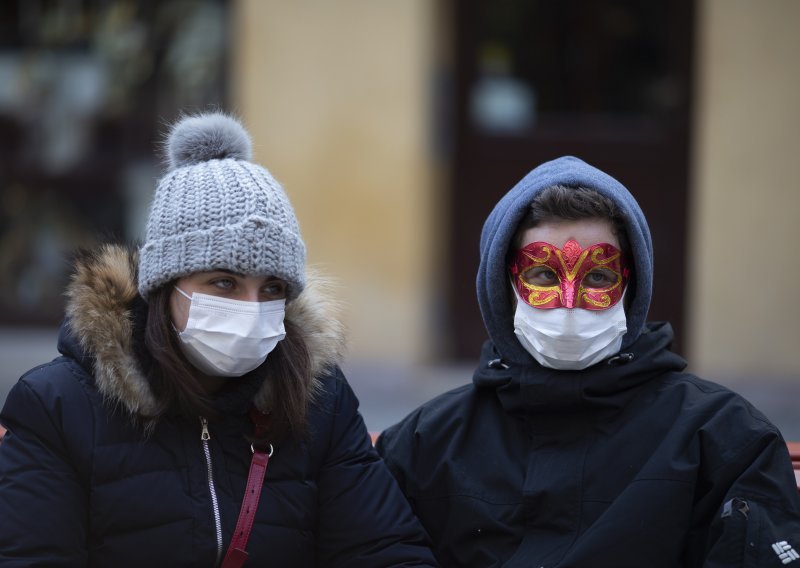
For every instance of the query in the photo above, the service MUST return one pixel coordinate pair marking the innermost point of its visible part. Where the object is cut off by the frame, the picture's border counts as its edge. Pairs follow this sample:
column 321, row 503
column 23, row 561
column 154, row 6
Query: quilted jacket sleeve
column 364, row 518
column 43, row 506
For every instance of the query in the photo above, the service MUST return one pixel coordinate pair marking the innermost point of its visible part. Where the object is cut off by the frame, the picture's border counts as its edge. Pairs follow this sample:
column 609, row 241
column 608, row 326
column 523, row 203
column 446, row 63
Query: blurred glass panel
column 547, row 63
column 85, row 91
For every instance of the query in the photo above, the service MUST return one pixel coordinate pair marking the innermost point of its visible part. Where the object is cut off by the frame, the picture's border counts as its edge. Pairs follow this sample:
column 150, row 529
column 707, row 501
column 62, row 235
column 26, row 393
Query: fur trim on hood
column 99, row 301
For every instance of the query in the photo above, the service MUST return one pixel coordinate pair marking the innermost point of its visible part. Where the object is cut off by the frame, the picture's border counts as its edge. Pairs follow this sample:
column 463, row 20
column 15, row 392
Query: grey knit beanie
column 214, row 209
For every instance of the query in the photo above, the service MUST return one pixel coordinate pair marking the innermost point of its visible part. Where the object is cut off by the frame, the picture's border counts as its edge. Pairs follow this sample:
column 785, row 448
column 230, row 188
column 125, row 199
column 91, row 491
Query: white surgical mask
column 570, row 339
column 228, row 338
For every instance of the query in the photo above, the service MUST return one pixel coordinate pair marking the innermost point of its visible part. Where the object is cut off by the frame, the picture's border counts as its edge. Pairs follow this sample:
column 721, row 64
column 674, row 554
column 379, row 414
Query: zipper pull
column 205, row 434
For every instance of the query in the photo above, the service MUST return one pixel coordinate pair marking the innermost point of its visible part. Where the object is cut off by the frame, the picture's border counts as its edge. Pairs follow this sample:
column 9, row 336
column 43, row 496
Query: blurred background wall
column 394, row 127
column 336, row 95
column 746, row 190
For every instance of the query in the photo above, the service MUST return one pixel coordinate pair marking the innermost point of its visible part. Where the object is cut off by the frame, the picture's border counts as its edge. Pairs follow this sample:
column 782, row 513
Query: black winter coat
column 628, row 464
column 83, row 484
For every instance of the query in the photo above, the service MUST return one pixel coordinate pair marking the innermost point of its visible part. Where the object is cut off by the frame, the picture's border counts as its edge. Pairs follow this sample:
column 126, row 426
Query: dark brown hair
column 563, row 203
column 287, row 368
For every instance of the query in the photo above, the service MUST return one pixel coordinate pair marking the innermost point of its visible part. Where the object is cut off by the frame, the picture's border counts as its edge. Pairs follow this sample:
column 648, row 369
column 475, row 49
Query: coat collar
column 101, row 300
column 536, row 389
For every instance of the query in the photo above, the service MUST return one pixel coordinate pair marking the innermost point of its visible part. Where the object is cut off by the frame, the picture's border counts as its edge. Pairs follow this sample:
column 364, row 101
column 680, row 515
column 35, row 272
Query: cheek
column 178, row 310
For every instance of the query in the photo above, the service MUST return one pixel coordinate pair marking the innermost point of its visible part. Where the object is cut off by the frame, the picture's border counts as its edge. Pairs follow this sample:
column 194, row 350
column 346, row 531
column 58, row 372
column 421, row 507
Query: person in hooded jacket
column 184, row 370
column 581, row 441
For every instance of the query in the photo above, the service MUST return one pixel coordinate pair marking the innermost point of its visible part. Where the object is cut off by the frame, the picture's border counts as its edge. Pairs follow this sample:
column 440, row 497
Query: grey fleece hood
column 494, row 290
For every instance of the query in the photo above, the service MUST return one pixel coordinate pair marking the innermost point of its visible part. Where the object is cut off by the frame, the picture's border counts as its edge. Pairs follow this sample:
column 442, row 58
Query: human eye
column 540, row 276
column 224, row 283
column 599, row 279
column 275, row 289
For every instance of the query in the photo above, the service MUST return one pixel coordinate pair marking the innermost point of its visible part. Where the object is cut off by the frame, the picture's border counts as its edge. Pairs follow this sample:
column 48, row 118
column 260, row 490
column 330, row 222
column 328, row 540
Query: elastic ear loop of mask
column 188, row 297
column 184, row 294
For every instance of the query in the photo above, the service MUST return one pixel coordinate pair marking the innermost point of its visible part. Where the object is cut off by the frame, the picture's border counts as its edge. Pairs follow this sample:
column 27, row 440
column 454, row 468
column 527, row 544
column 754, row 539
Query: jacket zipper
column 205, row 436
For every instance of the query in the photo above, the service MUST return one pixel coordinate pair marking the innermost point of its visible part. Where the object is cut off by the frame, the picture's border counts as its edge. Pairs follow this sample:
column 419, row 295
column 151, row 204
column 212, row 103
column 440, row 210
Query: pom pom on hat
column 205, row 137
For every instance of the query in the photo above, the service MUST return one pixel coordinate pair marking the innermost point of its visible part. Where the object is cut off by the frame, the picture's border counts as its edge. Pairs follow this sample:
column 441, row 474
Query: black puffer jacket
column 627, row 464
column 83, row 484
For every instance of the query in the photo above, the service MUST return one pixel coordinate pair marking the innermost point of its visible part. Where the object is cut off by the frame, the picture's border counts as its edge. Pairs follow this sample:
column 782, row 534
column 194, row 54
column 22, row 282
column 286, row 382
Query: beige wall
column 335, row 95
column 745, row 307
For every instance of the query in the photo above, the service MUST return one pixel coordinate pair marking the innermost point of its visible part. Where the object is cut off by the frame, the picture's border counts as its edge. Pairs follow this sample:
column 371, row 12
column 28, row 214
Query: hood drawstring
column 620, row 359
column 614, row 361
column 497, row 364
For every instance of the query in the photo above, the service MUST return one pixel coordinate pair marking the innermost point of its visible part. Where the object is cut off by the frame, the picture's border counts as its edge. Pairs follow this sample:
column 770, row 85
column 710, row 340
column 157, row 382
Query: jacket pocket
column 736, row 526
column 740, row 544
column 754, row 535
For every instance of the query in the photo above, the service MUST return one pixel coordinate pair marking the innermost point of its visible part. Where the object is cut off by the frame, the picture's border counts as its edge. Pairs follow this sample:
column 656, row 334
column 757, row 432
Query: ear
column 178, row 307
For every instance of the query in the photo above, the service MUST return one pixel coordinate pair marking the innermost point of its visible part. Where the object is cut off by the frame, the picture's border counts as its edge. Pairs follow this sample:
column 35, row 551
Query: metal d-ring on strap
column 269, row 454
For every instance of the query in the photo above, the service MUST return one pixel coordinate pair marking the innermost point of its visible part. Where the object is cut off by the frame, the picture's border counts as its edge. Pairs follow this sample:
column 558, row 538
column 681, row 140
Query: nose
column 251, row 296
column 250, row 292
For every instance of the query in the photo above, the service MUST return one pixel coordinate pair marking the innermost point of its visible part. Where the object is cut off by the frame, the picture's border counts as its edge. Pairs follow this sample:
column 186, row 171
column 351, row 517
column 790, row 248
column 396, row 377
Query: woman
column 186, row 370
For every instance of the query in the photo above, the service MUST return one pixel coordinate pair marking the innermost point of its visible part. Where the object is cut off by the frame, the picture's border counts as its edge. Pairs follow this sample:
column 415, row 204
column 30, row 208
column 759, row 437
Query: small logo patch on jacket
column 785, row 552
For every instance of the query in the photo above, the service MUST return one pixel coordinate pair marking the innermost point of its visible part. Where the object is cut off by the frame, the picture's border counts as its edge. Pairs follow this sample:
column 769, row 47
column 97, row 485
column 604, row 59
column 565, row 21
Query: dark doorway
column 609, row 82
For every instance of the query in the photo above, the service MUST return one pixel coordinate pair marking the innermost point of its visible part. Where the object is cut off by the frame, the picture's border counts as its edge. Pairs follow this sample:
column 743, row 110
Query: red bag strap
column 236, row 555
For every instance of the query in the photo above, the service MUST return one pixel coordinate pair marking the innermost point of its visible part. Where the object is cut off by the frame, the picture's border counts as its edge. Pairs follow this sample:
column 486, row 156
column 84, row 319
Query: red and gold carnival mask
column 546, row 276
